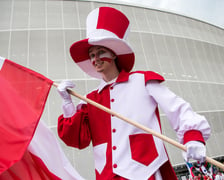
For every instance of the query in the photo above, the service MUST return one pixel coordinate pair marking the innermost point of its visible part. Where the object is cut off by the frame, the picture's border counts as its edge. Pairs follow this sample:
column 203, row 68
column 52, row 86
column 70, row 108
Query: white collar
column 104, row 84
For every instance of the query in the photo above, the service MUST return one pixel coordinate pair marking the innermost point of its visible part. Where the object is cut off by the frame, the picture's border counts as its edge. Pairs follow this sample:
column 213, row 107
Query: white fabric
column 134, row 109
column 179, row 113
column 87, row 67
column 219, row 177
column 68, row 110
column 100, row 150
column 118, row 46
column 67, row 106
column 62, row 90
column 91, row 21
column 195, row 150
column 101, row 33
column 2, row 60
column 104, row 37
column 45, row 146
column 158, row 175
column 93, row 32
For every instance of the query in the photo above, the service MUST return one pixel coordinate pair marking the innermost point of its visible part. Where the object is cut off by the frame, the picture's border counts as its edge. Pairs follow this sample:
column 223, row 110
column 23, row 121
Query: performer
column 122, row 151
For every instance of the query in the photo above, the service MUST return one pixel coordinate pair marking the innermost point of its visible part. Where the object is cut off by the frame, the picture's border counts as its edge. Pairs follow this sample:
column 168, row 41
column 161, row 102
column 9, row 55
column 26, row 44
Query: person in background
column 122, row 151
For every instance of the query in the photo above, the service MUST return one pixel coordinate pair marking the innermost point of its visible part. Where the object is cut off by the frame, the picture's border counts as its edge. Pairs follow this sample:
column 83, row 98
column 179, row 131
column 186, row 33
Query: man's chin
column 100, row 70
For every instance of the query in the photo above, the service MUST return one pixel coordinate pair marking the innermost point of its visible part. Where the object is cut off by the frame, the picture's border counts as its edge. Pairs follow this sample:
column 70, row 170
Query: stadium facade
column 189, row 53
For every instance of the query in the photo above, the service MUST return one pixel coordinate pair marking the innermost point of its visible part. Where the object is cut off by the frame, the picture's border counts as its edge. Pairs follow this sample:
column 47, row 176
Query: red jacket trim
column 193, row 135
column 149, row 75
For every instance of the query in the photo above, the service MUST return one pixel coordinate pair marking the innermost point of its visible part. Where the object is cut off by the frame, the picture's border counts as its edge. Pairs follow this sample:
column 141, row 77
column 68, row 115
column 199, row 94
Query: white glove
column 67, row 106
column 62, row 90
column 195, row 150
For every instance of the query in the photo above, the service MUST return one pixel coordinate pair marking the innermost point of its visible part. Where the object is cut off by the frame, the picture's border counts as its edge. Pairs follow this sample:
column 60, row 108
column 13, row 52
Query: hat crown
column 107, row 22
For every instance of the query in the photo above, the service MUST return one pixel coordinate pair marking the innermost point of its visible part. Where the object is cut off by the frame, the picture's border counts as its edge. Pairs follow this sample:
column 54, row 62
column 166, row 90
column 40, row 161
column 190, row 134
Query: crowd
column 205, row 171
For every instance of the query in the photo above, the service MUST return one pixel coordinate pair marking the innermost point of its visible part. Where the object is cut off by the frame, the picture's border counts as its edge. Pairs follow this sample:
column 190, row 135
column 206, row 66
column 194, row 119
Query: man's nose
column 94, row 59
column 97, row 57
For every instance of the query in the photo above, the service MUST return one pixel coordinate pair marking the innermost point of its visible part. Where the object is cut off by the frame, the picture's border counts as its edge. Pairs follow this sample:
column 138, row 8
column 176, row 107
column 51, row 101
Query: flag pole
column 148, row 130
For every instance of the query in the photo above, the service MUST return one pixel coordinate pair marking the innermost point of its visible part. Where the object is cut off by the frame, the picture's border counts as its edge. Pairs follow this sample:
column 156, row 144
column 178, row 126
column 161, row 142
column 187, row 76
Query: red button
column 111, row 88
column 114, row 147
column 112, row 100
column 113, row 130
column 115, row 166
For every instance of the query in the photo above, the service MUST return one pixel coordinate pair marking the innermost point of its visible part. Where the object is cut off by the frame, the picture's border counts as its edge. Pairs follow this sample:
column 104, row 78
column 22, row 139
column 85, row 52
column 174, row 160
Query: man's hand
column 195, row 150
column 67, row 106
column 62, row 90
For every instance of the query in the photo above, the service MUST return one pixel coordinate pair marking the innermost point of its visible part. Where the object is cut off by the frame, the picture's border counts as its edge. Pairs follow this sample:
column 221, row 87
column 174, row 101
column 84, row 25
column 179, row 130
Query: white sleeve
column 68, row 109
column 179, row 112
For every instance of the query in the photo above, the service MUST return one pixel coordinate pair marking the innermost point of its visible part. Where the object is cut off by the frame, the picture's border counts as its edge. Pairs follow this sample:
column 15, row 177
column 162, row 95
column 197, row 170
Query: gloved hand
column 62, row 90
column 67, row 106
column 195, row 150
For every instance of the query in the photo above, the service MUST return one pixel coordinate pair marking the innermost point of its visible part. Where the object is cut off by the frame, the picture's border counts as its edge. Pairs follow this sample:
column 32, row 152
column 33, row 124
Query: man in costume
column 122, row 151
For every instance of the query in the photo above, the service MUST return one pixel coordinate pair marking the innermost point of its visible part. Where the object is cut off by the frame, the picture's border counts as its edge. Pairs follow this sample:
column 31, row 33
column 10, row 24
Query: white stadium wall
column 189, row 54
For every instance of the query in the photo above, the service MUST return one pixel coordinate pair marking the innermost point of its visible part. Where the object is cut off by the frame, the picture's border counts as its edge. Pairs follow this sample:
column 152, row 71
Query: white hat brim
column 79, row 53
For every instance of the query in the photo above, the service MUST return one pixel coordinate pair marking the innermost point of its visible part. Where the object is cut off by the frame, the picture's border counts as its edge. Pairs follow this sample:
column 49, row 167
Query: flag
column 190, row 168
column 43, row 160
column 23, row 96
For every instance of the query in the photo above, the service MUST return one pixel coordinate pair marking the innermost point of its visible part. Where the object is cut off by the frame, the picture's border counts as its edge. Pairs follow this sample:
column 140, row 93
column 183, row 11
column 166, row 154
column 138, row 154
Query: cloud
column 210, row 11
column 205, row 10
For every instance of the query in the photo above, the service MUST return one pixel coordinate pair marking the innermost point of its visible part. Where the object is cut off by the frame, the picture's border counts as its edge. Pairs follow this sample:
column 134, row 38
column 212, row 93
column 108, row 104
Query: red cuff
column 193, row 135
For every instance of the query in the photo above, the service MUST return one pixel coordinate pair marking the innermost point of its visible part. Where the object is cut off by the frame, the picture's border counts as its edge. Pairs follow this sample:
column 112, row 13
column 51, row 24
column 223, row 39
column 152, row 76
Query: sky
column 211, row 11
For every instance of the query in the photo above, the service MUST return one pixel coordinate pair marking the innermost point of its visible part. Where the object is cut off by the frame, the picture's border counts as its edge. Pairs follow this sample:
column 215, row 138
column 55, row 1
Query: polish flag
column 29, row 150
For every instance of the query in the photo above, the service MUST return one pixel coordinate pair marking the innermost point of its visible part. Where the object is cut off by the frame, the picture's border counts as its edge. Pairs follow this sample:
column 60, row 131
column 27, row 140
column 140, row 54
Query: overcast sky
column 211, row 11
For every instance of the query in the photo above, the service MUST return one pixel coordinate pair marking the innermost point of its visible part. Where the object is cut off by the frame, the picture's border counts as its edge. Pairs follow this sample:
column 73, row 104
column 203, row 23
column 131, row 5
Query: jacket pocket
column 143, row 149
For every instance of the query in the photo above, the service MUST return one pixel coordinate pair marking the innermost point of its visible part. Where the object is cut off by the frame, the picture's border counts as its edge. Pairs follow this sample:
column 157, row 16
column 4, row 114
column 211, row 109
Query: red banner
column 29, row 150
column 23, row 96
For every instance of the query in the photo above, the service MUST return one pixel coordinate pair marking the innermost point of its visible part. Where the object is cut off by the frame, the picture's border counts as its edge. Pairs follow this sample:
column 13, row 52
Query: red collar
column 123, row 76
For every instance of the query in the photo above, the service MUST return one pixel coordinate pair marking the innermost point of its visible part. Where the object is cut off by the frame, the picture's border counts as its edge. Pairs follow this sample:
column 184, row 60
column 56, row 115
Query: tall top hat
column 106, row 27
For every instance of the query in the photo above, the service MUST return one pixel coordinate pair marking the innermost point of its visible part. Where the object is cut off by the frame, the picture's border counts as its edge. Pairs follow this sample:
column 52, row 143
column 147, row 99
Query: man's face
column 101, row 57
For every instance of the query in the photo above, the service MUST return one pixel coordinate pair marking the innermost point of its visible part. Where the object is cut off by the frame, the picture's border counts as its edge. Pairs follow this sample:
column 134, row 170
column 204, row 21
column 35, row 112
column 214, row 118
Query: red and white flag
column 29, row 150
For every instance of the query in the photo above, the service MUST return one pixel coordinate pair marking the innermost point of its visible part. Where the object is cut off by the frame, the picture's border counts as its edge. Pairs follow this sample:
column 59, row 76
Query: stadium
column 187, row 52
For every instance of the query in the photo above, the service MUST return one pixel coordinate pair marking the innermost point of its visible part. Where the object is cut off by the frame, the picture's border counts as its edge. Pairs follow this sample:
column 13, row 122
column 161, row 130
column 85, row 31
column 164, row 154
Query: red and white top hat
column 106, row 27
